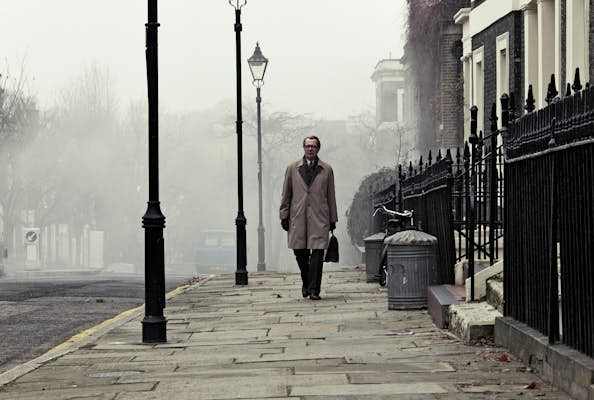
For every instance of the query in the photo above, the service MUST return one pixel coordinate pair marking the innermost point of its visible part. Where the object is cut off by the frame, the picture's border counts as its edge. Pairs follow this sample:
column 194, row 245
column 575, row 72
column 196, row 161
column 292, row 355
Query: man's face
column 310, row 148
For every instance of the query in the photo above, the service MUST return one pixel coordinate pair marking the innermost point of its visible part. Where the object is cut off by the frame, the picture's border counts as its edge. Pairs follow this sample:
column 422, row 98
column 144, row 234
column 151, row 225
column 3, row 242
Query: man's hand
column 332, row 226
column 285, row 224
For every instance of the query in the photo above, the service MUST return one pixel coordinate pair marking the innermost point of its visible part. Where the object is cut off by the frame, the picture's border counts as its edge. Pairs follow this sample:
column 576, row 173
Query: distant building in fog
column 389, row 80
column 394, row 130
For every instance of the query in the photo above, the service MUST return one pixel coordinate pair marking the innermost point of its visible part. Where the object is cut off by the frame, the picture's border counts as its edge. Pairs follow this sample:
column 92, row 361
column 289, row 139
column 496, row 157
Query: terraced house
column 508, row 45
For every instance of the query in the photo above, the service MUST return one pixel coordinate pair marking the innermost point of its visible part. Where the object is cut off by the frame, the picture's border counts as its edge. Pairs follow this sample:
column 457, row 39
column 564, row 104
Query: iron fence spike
column 577, row 85
column 530, row 100
column 551, row 90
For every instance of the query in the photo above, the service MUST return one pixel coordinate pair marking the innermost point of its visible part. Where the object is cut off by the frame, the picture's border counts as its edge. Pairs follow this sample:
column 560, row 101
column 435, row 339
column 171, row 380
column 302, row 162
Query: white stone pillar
column 96, row 246
column 85, row 246
column 73, row 248
column 53, row 244
column 63, row 253
column 530, row 50
column 546, row 48
column 577, row 40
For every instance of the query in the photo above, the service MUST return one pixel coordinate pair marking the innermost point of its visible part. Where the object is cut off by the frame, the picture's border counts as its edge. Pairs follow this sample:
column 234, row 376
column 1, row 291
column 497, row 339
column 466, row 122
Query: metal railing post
column 473, row 139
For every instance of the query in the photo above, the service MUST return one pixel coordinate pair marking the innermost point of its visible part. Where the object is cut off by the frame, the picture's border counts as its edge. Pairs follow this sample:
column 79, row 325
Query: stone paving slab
column 264, row 341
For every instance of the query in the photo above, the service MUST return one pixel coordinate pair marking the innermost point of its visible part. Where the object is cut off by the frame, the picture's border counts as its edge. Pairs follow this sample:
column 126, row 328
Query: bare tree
column 385, row 145
column 19, row 120
column 85, row 144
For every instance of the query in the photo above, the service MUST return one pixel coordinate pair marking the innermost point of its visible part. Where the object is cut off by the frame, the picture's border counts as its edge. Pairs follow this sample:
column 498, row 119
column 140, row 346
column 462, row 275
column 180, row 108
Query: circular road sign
column 31, row 236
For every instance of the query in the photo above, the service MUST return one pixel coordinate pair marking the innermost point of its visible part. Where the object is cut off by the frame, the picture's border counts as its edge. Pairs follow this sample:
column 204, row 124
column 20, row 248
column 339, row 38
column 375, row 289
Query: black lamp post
column 153, row 221
column 258, row 63
column 241, row 276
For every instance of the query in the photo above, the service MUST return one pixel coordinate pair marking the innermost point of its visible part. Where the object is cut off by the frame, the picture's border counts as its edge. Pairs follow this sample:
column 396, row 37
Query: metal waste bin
column 374, row 245
column 411, row 269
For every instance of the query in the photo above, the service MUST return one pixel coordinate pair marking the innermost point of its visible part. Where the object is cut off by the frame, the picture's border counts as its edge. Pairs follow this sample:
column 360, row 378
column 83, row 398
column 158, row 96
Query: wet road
column 38, row 314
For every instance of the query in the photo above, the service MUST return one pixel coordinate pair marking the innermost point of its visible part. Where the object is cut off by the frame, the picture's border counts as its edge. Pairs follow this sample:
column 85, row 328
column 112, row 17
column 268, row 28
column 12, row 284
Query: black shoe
column 304, row 292
column 314, row 297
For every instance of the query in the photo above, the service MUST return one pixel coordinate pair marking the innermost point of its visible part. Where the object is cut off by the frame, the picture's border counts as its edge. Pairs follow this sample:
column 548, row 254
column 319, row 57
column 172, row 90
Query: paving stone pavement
column 263, row 341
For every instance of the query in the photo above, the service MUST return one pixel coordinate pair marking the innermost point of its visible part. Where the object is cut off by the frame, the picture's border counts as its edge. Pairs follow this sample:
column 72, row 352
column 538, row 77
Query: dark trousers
column 310, row 264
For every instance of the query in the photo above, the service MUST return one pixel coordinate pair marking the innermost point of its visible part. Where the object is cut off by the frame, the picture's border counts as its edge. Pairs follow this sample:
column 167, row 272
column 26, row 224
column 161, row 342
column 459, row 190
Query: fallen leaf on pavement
column 532, row 385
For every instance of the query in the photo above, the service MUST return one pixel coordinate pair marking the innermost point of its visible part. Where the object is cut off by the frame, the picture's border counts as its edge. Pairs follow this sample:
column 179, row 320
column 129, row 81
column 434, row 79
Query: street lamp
column 153, row 221
column 258, row 63
column 241, row 276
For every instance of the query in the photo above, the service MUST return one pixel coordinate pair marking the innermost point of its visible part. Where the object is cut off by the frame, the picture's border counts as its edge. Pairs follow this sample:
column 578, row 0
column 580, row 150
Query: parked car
column 215, row 252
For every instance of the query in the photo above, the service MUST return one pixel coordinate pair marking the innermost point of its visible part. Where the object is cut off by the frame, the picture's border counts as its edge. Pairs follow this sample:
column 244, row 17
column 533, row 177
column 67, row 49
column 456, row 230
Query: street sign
column 31, row 236
column 31, row 242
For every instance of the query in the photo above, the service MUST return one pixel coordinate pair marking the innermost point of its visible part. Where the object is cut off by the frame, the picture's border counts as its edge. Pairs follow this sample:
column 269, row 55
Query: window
column 478, row 87
column 502, row 44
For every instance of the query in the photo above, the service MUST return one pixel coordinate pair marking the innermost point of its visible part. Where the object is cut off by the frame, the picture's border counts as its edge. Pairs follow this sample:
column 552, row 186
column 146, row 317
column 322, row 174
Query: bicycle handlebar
column 402, row 215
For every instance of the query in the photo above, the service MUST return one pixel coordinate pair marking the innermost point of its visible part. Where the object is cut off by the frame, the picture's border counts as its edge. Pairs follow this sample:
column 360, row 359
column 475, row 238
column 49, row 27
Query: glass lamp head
column 258, row 63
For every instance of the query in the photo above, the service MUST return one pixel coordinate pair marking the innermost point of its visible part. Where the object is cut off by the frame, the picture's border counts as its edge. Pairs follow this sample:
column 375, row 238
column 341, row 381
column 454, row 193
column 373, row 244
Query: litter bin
column 411, row 269
column 374, row 245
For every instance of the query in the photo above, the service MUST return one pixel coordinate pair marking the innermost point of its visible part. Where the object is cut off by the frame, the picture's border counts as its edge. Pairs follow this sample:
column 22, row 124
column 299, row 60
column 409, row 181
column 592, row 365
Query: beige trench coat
column 309, row 209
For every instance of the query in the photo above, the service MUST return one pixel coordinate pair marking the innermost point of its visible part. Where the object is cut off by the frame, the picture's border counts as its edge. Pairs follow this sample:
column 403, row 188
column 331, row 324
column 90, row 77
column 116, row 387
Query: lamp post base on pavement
column 154, row 329
column 261, row 264
column 241, row 275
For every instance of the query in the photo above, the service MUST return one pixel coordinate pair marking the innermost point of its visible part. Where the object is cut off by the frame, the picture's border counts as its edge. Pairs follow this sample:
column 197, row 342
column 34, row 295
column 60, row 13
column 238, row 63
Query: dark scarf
column 307, row 172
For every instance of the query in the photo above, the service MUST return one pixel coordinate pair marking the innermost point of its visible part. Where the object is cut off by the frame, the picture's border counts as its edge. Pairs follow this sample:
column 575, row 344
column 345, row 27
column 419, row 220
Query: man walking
column 308, row 213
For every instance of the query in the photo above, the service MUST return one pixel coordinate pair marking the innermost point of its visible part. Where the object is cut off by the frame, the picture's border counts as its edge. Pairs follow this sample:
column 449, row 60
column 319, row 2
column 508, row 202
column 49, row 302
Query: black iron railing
column 460, row 202
column 428, row 193
column 542, row 192
column 549, row 219
column 478, row 193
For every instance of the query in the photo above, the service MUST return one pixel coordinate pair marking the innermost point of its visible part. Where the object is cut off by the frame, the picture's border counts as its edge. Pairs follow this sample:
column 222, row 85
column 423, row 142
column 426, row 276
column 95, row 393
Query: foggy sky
column 321, row 52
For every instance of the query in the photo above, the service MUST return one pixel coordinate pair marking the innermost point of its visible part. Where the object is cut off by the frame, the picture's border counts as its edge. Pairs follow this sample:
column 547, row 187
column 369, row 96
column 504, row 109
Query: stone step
column 461, row 269
column 470, row 321
column 481, row 277
column 439, row 299
column 495, row 293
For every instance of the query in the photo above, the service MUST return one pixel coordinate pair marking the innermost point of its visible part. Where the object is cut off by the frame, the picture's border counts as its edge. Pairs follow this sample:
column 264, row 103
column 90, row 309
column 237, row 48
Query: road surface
column 38, row 314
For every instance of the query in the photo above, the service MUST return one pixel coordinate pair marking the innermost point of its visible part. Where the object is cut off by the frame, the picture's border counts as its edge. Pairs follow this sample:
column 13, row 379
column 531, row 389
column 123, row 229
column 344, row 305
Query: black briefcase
column 332, row 250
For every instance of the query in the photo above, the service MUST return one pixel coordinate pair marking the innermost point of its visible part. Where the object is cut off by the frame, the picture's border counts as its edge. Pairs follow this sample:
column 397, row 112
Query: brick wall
column 514, row 24
column 450, row 129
